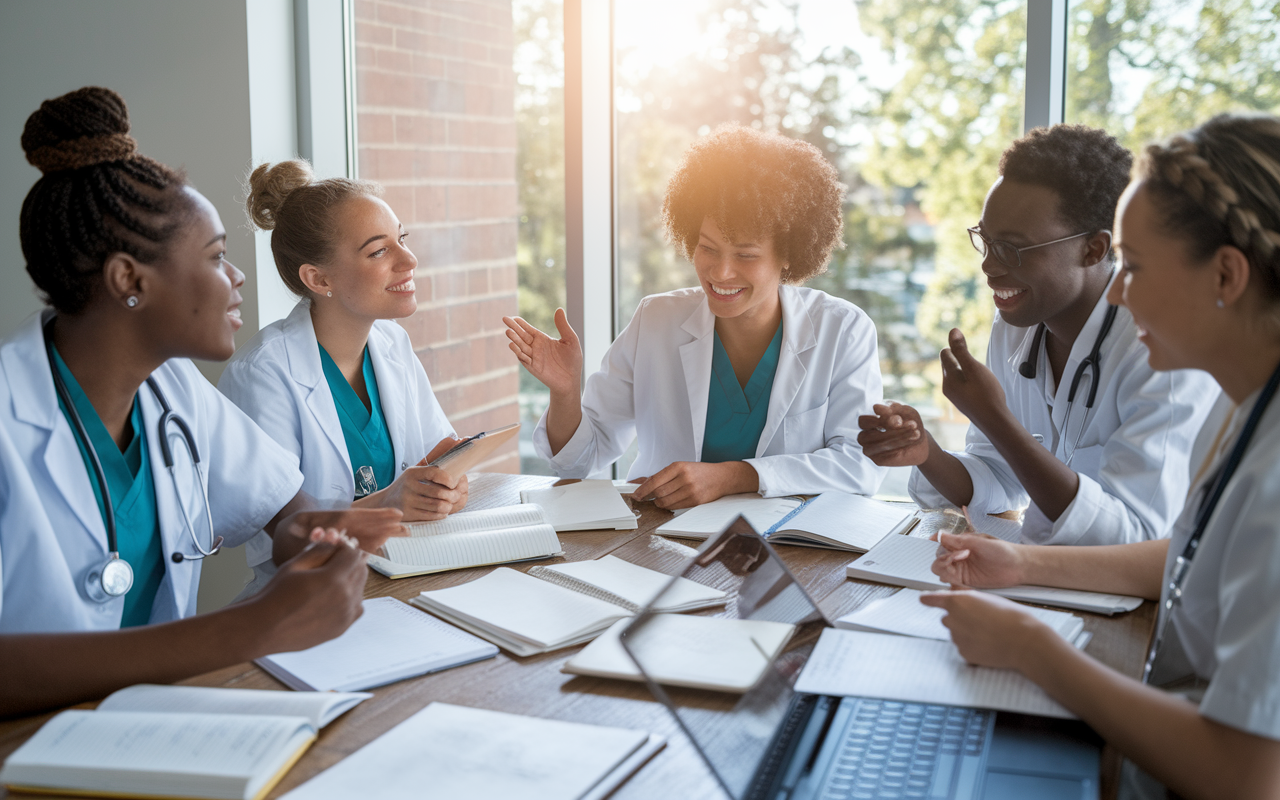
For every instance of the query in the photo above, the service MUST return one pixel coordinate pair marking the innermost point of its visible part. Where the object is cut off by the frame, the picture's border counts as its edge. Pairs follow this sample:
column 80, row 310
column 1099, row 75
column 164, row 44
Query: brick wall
column 437, row 128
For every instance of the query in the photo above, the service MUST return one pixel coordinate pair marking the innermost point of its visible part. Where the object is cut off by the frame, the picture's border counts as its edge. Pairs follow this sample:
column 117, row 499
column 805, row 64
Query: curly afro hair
column 1085, row 167
column 758, row 184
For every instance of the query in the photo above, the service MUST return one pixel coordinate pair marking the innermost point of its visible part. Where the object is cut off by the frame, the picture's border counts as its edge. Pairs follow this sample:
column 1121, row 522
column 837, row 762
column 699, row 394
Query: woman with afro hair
column 748, row 382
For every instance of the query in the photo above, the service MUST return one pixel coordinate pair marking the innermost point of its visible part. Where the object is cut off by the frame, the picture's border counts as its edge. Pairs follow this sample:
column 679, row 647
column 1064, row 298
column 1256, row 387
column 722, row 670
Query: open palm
column 555, row 362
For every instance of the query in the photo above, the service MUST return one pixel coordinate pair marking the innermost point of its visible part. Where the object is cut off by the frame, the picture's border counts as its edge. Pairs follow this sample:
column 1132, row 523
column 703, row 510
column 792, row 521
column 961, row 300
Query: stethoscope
column 1091, row 362
column 113, row 577
column 1178, row 575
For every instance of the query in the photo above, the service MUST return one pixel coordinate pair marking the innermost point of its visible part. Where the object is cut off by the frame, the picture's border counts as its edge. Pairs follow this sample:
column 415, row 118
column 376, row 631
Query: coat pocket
column 805, row 432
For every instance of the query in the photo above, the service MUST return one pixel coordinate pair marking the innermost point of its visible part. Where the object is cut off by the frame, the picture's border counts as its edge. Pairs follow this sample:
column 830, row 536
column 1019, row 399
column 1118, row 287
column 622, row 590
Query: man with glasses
column 1066, row 417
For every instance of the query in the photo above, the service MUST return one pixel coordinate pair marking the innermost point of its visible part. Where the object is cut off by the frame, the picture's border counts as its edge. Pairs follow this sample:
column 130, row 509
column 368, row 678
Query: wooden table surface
column 536, row 686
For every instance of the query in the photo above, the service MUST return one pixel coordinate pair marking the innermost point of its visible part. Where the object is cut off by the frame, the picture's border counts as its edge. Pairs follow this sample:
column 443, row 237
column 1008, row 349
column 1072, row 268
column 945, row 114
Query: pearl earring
column 330, row 294
column 132, row 302
column 1221, row 304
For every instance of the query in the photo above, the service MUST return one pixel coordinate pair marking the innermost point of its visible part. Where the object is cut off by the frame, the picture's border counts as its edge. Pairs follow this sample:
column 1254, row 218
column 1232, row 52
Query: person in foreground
column 1199, row 235
column 337, row 382
column 747, row 382
column 105, row 514
column 1066, row 413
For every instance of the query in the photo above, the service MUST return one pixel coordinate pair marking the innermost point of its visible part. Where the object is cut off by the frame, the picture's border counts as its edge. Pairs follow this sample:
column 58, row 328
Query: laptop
column 773, row 743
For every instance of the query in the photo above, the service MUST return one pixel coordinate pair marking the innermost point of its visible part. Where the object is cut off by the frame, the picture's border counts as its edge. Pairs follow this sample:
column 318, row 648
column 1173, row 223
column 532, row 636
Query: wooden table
column 535, row 685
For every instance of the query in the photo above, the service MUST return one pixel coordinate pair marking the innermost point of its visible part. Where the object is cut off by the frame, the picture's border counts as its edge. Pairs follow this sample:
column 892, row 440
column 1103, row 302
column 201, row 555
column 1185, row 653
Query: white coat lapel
column 305, row 369
column 797, row 340
column 391, row 375
column 696, row 359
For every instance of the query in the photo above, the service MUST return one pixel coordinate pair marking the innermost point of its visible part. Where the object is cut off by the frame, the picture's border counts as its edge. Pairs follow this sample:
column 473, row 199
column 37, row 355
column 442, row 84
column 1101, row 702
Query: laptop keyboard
column 901, row 750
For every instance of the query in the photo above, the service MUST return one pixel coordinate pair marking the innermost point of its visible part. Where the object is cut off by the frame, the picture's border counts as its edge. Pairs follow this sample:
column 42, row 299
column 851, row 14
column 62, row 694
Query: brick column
column 435, row 93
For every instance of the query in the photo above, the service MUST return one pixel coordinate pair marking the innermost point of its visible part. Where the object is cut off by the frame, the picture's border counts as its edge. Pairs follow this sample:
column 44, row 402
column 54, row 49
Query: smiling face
column 1050, row 279
column 740, row 278
column 371, row 271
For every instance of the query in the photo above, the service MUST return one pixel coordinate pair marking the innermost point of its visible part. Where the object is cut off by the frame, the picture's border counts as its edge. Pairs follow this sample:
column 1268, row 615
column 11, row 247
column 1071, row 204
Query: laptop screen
column 728, row 675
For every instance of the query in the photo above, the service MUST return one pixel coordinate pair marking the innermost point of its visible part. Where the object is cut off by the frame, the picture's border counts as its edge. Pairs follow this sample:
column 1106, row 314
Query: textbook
column 903, row 613
column 727, row 655
column 174, row 741
column 832, row 520
column 469, row 452
column 469, row 539
column 448, row 751
column 558, row 606
column 906, row 561
column 587, row 505
column 388, row 643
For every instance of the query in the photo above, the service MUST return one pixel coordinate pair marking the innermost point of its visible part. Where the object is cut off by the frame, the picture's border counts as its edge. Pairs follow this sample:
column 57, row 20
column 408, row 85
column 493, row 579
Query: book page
column 468, row 549
column 1071, row 598
column 903, row 613
column 710, row 518
column 319, row 707
column 850, row 519
column 390, row 641
column 881, row 665
column 900, row 561
column 518, row 516
column 641, row 585
column 459, row 752
column 585, row 505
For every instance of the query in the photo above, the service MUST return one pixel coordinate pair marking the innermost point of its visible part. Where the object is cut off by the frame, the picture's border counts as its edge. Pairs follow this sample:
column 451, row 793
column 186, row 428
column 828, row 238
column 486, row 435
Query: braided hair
column 97, row 196
column 1219, row 185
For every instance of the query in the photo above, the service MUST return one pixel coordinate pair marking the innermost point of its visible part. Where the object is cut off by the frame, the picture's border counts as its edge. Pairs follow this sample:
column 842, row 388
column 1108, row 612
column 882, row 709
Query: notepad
column 728, row 655
column 559, row 606
column 881, row 665
column 843, row 521
column 583, row 506
column 903, row 613
column 906, row 561
column 460, row 752
column 174, row 741
column 469, row 539
column 388, row 643
column 708, row 519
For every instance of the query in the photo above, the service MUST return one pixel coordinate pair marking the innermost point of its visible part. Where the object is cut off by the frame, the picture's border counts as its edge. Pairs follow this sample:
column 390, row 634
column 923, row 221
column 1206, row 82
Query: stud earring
column 1221, row 304
column 330, row 294
column 132, row 302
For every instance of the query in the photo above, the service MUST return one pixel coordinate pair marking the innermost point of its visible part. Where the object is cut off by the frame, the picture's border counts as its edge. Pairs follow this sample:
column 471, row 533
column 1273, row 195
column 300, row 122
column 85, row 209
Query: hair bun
column 79, row 129
column 270, row 185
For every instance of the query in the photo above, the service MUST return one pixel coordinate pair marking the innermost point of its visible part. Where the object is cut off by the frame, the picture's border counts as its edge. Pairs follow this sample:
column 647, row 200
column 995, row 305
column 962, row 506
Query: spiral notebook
column 562, row 605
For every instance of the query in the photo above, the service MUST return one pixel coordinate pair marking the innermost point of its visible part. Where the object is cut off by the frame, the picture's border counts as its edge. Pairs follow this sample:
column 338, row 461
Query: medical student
column 121, row 467
column 1066, row 414
column 747, row 382
column 337, row 383
column 1199, row 237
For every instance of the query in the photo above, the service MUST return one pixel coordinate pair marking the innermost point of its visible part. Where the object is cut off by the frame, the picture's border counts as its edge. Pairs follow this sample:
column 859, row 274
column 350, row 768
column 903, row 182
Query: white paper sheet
column 903, row 613
column 585, row 505
column 705, row 520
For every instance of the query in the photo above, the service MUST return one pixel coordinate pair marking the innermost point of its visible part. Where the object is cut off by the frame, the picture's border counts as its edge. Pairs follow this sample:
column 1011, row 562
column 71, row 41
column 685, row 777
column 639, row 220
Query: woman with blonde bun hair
column 1199, row 233
column 337, row 382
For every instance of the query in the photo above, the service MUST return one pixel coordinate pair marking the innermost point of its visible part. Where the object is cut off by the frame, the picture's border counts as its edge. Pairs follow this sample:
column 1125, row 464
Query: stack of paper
column 469, row 539
column 583, row 506
column 903, row 613
column 390, row 642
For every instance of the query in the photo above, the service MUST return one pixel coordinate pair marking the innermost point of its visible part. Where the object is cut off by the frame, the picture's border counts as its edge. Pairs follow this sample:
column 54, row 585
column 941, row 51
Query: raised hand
column 315, row 595
column 969, row 384
column 557, row 363
column 978, row 561
column 894, row 436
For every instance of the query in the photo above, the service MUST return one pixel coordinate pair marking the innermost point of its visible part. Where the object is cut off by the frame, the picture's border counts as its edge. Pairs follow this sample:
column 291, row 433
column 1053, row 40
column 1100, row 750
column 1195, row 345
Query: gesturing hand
column 369, row 527
column 969, row 384
column 978, row 561
column 685, row 484
column 557, row 363
column 894, row 436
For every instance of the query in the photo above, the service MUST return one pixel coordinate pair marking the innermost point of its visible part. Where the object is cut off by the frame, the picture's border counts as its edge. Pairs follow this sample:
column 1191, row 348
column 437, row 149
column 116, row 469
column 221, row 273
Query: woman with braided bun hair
column 100, row 549
column 337, row 382
column 1198, row 230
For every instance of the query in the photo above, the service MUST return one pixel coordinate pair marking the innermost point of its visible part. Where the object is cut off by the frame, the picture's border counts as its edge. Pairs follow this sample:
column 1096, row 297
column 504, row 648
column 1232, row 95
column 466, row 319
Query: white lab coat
column 51, row 531
column 277, row 379
column 654, row 381
column 1134, row 444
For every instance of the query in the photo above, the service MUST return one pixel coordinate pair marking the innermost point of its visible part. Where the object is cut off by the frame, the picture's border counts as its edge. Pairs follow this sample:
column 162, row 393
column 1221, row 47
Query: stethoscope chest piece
column 111, row 579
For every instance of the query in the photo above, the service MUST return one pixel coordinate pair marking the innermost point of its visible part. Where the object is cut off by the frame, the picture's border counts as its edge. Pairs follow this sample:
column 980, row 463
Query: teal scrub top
column 373, row 460
column 736, row 415
column 130, row 481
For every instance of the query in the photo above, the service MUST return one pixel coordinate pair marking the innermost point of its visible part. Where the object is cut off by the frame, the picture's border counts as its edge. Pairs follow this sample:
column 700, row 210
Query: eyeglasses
column 1005, row 252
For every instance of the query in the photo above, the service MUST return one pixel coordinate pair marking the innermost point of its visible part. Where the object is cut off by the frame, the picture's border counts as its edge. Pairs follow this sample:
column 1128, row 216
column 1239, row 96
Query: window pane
column 912, row 101
column 1147, row 70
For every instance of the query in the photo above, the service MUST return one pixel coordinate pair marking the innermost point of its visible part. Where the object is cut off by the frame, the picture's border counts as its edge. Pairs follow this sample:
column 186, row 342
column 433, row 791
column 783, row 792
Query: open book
column 903, row 613
column 727, row 655
column 469, row 539
column 390, row 642
column 174, row 741
column 559, row 606
column 459, row 752
column 588, row 505
column 906, row 561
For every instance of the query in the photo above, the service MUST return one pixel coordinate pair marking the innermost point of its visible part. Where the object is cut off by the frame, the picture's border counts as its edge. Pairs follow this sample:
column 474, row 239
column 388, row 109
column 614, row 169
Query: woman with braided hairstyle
column 100, row 550
column 1199, row 234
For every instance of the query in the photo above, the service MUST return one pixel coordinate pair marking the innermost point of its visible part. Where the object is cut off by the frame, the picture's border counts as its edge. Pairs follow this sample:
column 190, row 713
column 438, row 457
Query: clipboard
column 474, row 449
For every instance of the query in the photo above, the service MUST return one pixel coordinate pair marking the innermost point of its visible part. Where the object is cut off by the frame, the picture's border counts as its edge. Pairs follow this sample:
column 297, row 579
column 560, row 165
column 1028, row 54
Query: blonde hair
column 286, row 199
column 1219, row 185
